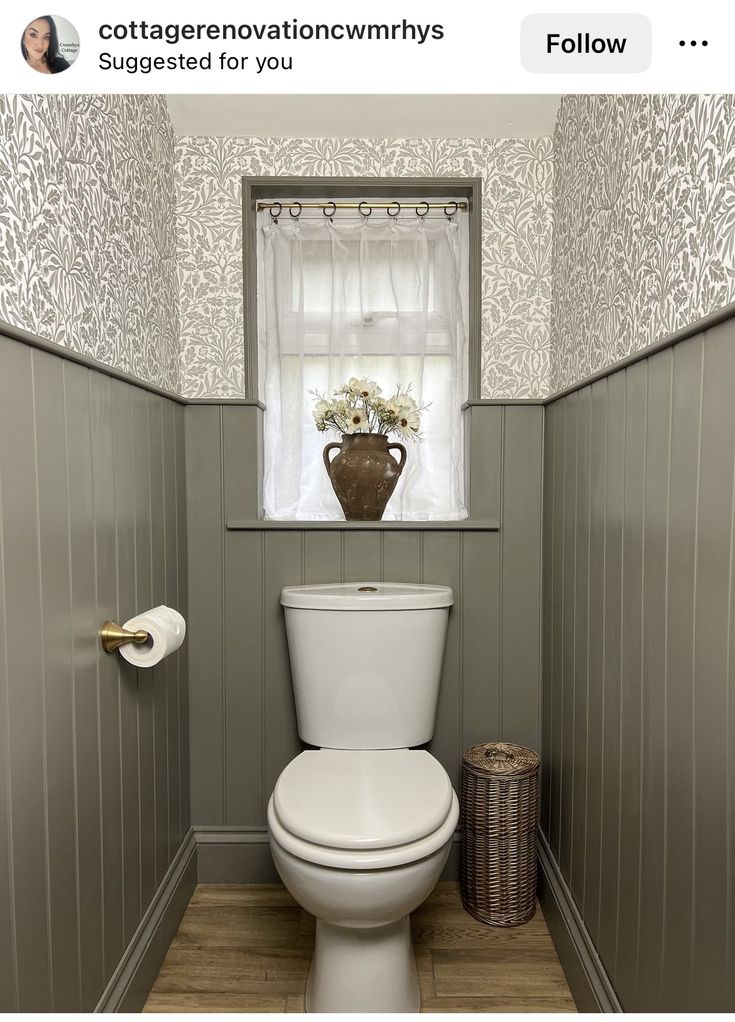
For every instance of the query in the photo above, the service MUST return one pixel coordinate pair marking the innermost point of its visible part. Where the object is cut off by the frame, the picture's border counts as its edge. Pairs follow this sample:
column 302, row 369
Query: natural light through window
column 378, row 297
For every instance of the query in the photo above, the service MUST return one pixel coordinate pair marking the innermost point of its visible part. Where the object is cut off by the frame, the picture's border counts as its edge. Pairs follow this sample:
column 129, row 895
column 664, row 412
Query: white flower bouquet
column 357, row 407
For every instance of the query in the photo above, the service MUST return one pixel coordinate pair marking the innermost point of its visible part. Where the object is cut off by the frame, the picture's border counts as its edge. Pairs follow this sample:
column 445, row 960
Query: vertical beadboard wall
column 94, row 797
column 243, row 724
column 639, row 713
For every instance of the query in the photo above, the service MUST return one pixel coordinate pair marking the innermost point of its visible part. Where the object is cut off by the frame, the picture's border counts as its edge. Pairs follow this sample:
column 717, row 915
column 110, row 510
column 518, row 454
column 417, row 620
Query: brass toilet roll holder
column 112, row 636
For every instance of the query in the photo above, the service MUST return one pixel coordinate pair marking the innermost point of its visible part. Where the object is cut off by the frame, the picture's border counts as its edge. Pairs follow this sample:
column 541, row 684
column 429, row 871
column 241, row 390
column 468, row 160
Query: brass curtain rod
column 365, row 202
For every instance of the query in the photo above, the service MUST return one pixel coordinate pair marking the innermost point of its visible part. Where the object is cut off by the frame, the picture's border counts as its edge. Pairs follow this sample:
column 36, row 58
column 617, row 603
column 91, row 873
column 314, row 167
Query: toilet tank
column 366, row 660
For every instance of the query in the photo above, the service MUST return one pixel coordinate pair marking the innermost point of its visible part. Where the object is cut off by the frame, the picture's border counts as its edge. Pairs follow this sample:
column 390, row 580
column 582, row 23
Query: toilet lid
column 363, row 799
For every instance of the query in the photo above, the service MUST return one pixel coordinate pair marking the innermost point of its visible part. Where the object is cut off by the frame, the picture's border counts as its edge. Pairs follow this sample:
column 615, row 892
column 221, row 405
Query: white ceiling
column 365, row 116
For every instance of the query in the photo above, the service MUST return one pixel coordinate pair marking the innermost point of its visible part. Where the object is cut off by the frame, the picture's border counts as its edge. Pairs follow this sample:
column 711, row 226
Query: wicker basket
column 499, row 819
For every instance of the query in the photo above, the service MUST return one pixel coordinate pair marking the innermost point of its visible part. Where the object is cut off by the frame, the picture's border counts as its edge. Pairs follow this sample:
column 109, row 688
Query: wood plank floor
column 248, row 948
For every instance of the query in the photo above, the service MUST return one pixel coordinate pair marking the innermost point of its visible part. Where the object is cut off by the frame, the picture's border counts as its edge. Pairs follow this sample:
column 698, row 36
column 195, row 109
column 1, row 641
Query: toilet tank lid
column 367, row 596
column 363, row 799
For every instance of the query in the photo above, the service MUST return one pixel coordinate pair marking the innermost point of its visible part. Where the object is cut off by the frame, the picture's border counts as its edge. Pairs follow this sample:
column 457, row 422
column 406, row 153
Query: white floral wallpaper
column 95, row 193
column 644, row 223
column 87, row 228
column 517, row 230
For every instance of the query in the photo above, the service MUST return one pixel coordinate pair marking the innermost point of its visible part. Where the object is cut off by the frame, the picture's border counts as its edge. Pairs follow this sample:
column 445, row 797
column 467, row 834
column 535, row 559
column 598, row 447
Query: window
column 370, row 296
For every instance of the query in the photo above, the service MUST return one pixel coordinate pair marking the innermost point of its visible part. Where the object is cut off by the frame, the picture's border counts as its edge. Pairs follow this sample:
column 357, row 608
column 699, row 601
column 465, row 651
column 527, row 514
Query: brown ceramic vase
column 364, row 474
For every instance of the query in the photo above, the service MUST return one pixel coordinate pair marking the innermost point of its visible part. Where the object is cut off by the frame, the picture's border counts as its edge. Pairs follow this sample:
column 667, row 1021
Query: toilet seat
column 362, row 799
column 381, row 858
column 363, row 809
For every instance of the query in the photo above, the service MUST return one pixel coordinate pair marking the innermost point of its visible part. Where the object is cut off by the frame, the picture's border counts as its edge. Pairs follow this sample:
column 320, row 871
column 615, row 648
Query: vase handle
column 402, row 449
column 327, row 462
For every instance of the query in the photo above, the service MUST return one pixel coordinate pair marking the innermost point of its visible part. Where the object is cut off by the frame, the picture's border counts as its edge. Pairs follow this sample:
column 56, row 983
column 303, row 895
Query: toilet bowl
column 361, row 826
column 360, row 839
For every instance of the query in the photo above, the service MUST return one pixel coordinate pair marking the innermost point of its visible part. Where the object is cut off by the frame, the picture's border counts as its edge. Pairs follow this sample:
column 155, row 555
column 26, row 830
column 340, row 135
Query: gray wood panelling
column 655, row 581
column 556, row 470
column 595, row 648
column 59, row 723
column 579, row 646
column 612, row 671
column 243, row 729
column 711, row 702
column 77, row 428
column 638, row 718
column 548, row 537
column 206, row 608
column 568, row 580
column 25, row 693
column 520, row 552
column 93, row 804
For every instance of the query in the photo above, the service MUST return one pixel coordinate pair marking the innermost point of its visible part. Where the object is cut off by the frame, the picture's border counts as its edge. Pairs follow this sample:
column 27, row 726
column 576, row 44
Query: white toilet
column 360, row 828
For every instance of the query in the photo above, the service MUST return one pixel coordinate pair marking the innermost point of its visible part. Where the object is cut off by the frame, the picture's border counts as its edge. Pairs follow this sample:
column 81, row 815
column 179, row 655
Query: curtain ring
column 455, row 210
column 362, row 211
column 275, row 216
column 291, row 212
column 422, row 215
column 331, row 212
column 398, row 208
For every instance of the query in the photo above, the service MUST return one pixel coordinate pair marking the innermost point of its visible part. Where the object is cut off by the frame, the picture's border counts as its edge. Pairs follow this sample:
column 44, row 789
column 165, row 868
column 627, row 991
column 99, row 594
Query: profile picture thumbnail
column 49, row 44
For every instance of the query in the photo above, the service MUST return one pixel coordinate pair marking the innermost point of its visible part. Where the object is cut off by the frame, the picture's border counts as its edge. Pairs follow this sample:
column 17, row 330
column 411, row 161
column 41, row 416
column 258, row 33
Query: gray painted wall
column 638, row 717
column 94, row 797
column 243, row 727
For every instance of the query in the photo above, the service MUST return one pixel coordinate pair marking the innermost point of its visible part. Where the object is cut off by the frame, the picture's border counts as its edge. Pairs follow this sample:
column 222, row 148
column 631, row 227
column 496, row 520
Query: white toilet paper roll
column 166, row 629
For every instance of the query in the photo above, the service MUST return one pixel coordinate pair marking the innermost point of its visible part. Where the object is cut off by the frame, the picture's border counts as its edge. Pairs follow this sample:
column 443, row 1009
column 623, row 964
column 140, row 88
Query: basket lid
column 502, row 758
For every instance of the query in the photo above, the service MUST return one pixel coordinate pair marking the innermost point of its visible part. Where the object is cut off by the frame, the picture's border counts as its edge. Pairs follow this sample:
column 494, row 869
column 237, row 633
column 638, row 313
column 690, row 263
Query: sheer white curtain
column 378, row 297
